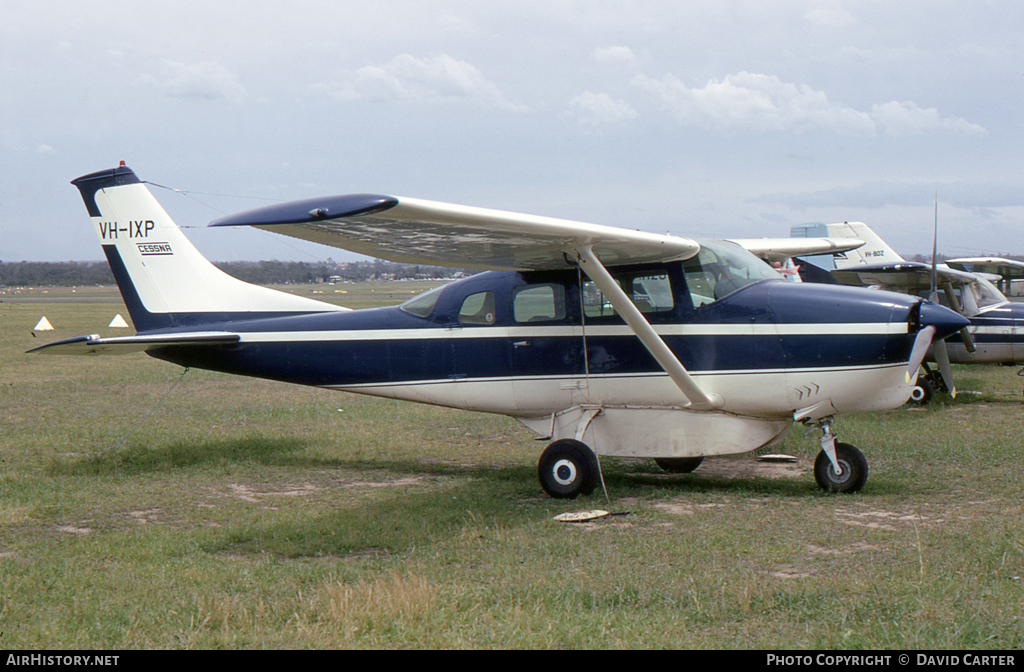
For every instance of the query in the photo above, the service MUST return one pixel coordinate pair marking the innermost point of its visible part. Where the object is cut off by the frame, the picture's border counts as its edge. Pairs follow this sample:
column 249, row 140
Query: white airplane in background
column 1006, row 274
column 996, row 330
column 603, row 341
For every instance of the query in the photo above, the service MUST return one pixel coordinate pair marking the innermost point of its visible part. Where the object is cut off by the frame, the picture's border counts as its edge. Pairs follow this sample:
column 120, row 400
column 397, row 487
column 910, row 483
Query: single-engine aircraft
column 1006, row 274
column 603, row 341
column 996, row 331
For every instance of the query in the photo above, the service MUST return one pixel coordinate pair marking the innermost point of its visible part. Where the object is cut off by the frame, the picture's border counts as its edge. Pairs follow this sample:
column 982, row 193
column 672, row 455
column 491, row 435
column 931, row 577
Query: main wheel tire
column 853, row 463
column 567, row 468
column 678, row 465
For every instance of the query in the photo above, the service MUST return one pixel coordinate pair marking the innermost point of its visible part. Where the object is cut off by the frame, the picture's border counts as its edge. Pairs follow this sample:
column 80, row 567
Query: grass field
column 245, row 513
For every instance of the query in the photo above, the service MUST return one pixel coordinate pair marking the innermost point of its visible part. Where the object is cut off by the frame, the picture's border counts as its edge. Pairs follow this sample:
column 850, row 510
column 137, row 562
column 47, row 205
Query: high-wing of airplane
column 603, row 341
column 1006, row 274
column 996, row 331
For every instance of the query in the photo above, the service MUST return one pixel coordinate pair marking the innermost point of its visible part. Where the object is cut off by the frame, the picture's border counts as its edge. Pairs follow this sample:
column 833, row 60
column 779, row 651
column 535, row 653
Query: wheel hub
column 844, row 476
column 564, row 472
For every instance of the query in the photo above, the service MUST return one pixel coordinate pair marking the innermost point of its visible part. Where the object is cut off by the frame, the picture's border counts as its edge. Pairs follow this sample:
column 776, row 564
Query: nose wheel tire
column 922, row 394
column 678, row 465
column 567, row 469
column 854, row 470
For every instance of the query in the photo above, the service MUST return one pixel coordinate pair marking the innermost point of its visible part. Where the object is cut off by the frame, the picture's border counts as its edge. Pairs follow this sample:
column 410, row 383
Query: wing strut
column 696, row 397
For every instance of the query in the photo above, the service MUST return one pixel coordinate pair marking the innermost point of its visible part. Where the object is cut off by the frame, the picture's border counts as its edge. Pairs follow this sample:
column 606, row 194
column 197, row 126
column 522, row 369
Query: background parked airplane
column 1006, row 274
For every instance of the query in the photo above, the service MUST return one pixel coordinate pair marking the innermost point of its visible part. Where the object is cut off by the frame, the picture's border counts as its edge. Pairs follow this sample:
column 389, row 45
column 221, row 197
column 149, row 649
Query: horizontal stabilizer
column 122, row 345
column 780, row 249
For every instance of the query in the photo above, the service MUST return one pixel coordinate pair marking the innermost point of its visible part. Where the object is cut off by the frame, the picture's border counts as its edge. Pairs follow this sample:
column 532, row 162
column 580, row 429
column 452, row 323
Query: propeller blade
column 921, row 344
column 942, row 359
column 968, row 340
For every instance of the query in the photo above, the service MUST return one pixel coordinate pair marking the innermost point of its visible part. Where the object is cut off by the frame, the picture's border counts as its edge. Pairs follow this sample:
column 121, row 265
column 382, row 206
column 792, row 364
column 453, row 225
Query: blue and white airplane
column 603, row 341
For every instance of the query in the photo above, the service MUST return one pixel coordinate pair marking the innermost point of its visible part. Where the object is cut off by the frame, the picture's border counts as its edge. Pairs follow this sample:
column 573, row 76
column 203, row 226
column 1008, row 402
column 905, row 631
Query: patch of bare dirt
column 886, row 520
column 145, row 517
column 72, row 529
column 792, row 572
column 249, row 493
column 261, row 493
column 858, row 547
column 393, row 483
column 681, row 508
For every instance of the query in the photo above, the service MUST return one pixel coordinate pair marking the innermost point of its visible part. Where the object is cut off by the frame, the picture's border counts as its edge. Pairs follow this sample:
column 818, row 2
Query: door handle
column 520, row 344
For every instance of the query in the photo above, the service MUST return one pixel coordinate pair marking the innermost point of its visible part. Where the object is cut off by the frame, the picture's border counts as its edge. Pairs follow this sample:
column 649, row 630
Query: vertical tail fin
column 874, row 251
column 164, row 279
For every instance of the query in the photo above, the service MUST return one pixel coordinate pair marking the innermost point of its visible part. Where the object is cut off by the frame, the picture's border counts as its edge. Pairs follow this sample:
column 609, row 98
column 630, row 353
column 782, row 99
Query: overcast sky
column 727, row 119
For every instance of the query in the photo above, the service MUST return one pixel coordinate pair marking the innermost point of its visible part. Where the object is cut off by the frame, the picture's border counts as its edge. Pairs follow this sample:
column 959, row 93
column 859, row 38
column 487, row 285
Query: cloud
column 756, row 102
column 205, row 80
column 829, row 15
column 594, row 111
column 45, row 149
column 407, row 78
column 615, row 56
column 905, row 118
column 750, row 101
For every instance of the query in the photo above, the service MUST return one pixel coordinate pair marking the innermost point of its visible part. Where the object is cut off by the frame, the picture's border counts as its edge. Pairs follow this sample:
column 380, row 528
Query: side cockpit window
column 477, row 309
column 538, row 303
column 650, row 293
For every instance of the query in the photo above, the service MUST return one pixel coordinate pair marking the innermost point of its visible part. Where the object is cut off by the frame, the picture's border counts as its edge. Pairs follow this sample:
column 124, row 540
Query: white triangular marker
column 118, row 321
column 43, row 325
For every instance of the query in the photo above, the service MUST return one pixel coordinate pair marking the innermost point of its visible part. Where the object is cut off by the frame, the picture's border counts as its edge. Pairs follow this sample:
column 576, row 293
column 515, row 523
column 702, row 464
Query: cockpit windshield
column 422, row 305
column 986, row 294
column 972, row 297
column 720, row 268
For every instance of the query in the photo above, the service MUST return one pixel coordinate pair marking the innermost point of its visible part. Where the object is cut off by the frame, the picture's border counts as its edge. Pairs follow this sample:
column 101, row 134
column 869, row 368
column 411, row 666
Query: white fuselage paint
column 760, row 392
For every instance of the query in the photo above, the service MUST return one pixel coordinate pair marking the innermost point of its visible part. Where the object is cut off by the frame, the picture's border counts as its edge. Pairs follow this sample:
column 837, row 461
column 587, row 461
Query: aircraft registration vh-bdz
column 603, row 341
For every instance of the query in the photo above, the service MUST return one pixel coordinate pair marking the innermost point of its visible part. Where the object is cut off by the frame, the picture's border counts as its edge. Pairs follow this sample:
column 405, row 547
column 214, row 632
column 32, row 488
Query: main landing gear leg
column 839, row 467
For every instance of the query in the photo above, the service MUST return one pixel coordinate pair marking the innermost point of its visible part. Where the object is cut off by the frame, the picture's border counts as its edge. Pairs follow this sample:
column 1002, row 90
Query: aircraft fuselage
column 534, row 343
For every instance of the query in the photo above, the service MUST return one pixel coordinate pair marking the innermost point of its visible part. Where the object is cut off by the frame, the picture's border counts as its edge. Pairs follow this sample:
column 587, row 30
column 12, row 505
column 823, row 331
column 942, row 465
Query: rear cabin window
column 538, row 303
column 650, row 293
column 477, row 309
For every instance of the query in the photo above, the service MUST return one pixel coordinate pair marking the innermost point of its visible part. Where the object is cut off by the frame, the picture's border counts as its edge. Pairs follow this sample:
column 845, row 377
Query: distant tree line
column 78, row 274
column 55, row 274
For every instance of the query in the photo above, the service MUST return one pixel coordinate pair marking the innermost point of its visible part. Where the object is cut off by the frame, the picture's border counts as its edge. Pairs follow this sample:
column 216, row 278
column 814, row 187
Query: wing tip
column 310, row 210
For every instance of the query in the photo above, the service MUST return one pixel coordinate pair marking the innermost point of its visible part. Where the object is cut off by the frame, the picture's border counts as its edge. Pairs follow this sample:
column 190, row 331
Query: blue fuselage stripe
column 362, row 362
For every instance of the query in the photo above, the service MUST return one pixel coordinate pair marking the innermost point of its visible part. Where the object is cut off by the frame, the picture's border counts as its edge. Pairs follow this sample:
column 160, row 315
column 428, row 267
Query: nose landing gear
column 839, row 467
